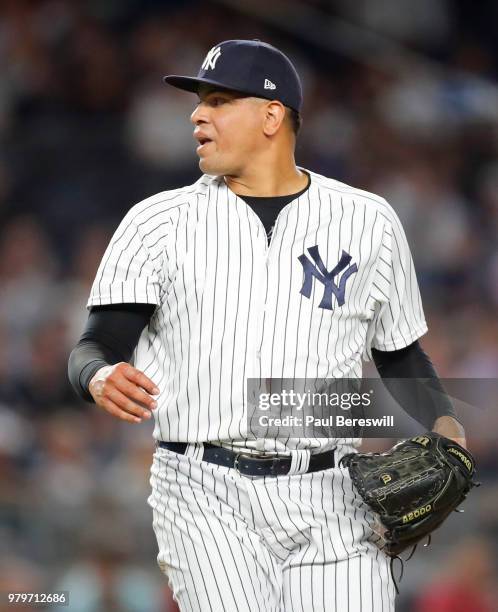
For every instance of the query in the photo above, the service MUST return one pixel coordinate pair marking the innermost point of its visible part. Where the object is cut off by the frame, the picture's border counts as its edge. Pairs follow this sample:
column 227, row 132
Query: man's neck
column 268, row 183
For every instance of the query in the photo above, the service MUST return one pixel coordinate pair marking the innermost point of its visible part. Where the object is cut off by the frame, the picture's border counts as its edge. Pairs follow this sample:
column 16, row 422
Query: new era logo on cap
column 269, row 84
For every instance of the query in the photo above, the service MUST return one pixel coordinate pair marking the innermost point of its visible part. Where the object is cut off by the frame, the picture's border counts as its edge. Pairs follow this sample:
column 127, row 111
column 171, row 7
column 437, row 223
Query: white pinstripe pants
column 277, row 544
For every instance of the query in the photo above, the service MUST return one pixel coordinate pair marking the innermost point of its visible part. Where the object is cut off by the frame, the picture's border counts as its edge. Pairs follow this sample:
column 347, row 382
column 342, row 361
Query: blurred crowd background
column 401, row 99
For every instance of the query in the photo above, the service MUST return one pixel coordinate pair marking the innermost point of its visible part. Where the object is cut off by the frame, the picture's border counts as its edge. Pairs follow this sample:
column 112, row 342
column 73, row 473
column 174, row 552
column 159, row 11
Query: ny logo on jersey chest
column 320, row 272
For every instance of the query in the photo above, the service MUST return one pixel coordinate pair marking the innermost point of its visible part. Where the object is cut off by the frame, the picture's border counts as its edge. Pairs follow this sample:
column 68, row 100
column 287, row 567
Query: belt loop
column 195, row 450
column 300, row 460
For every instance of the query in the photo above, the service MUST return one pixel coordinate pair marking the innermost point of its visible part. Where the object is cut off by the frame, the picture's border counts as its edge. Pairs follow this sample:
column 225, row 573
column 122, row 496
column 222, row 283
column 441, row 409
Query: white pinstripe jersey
column 232, row 307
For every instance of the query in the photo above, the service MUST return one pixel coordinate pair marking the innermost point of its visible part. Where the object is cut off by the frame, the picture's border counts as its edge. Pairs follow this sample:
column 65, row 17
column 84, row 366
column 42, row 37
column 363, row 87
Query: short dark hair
column 294, row 119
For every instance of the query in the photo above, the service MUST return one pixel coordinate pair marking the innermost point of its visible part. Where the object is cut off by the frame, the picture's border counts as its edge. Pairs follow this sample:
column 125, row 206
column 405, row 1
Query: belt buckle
column 236, row 462
column 267, row 456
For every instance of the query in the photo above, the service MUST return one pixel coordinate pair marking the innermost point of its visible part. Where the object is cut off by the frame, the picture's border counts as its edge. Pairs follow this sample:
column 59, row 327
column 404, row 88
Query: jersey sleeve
column 398, row 313
column 128, row 272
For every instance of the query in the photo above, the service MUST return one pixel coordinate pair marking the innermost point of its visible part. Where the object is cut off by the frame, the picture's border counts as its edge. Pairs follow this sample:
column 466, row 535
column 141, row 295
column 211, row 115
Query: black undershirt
column 268, row 209
column 112, row 332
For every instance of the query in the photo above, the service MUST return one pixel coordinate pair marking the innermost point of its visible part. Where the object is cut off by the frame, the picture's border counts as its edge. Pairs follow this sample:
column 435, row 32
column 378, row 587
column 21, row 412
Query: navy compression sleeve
column 417, row 400
column 110, row 336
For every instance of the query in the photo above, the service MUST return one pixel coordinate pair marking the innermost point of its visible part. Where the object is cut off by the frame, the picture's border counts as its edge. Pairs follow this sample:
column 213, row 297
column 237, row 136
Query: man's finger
column 125, row 403
column 140, row 379
column 137, row 394
column 110, row 407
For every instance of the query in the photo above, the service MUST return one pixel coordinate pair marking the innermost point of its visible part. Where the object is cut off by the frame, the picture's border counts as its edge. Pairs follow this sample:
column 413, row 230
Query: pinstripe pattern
column 288, row 544
column 229, row 305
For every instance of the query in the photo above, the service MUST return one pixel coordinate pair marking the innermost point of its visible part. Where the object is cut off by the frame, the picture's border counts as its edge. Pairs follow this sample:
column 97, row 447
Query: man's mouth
column 203, row 144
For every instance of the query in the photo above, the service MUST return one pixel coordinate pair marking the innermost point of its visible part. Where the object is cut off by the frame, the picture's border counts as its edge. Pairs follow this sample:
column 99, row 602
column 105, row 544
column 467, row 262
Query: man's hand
column 451, row 428
column 124, row 392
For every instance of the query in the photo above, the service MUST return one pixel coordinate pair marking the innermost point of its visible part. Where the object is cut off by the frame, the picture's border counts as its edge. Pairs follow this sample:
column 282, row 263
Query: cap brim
column 183, row 82
column 190, row 83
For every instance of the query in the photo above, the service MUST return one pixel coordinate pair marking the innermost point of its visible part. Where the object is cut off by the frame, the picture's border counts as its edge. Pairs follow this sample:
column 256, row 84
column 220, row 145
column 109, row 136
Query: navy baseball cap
column 250, row 67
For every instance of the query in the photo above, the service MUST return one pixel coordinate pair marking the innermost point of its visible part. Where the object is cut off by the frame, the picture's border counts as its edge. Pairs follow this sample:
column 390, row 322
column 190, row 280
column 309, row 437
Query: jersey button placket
column 262, row 288
column 264, row 292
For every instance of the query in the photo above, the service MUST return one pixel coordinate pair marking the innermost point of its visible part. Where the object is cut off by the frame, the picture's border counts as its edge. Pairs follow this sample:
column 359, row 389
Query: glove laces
column 402, row 563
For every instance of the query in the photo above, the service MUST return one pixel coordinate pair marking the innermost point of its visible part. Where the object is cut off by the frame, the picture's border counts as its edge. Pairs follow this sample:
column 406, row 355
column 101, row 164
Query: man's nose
column 200, row 114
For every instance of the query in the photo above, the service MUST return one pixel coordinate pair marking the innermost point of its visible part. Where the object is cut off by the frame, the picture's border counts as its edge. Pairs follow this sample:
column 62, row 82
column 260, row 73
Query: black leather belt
column 259, row 464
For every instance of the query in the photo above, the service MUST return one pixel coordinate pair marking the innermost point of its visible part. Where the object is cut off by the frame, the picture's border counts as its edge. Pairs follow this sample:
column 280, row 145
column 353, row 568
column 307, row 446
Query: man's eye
column 214, row 101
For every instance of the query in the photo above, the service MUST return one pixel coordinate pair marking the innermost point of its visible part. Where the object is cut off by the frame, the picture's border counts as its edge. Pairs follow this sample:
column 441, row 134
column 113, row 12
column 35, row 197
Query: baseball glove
column 413, row 487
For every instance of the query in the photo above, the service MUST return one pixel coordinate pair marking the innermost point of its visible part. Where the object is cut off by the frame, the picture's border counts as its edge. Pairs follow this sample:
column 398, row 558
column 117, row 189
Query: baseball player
column 262, row 270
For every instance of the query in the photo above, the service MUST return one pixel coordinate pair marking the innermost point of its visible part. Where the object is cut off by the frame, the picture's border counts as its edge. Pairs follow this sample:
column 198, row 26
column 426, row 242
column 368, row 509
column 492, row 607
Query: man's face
column 228, row 127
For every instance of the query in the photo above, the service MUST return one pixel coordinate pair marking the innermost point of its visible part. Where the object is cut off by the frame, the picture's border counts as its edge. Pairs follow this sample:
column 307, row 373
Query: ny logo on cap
column 320, row 272
column 211, row 58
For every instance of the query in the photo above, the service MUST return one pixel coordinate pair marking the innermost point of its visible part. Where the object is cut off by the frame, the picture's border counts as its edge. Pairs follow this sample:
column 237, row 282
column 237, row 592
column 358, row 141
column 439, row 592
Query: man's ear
column 273, row 117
